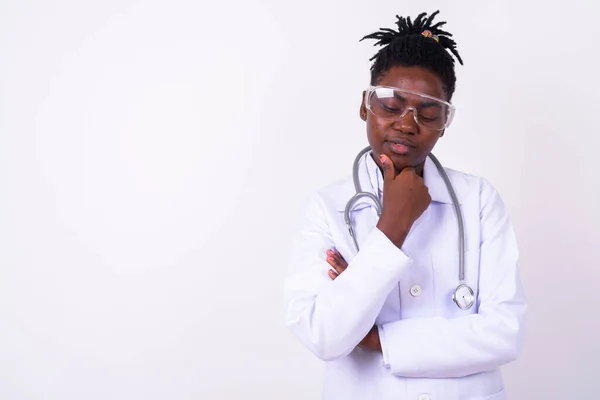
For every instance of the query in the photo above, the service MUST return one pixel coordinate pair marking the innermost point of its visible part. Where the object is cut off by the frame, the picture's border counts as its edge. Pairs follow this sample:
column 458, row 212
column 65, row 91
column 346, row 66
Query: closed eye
column 391, row 109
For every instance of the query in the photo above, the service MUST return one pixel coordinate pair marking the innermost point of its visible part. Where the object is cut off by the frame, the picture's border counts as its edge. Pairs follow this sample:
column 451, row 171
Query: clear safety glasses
column 393, row 104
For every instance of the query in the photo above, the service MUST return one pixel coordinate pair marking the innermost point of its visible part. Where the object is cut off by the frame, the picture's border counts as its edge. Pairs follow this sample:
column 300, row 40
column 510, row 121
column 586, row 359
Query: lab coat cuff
column 401, row 353
column 386, row 249
column 378, row 264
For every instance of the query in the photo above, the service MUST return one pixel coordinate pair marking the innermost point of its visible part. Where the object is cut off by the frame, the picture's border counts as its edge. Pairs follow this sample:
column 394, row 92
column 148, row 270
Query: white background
column 153, row 156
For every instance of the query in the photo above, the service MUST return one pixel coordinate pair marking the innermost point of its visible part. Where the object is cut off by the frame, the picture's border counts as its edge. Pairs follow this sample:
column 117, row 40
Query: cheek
column 433, row 140
column 375, row 135
column 427, row 147
column 375, row 129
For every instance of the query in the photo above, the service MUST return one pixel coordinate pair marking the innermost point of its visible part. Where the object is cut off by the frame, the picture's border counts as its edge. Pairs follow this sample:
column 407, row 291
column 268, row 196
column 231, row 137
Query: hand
column 405, row 198
column 337, row 262
column 339, row 265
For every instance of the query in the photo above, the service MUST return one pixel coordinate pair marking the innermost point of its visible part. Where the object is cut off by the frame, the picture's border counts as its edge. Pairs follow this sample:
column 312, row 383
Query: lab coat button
column 415, row 291
column 424, row 397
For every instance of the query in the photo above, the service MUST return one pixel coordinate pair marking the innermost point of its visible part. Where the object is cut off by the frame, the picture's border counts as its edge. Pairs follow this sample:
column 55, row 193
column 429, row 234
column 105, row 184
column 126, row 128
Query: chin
column 402, row 161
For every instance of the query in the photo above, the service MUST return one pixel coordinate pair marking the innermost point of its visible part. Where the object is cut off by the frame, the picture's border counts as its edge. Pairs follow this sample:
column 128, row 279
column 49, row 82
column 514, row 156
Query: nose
column 407, row 121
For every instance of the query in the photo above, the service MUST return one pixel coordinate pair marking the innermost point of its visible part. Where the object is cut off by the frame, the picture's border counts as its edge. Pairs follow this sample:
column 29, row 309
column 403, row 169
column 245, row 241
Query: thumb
column 389, row 172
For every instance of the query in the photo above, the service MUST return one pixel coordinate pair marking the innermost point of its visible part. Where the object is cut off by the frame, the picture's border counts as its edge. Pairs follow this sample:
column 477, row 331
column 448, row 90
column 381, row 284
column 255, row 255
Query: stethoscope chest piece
column 463, row 296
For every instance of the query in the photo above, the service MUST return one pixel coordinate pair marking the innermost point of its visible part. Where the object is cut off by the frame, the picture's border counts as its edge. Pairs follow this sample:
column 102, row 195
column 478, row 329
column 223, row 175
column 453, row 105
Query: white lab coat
column 432, row 350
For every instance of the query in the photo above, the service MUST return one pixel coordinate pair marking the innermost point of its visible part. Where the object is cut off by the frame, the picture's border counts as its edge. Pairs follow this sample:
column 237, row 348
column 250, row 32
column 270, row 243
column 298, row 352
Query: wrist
column 377, row 339
column 371, row 341
column 375, row 342
column 395, row 235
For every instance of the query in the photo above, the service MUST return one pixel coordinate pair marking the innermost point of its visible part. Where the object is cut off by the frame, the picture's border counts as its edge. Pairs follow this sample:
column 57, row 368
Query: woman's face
column 403, row 141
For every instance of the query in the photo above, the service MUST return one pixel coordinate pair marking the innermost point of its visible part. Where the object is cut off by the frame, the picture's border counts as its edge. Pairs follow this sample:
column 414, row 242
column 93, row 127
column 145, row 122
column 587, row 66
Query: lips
column 402, row 142
column 401, row 146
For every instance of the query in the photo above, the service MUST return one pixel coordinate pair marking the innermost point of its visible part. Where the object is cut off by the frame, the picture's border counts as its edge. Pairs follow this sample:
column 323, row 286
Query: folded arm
column 331, row 317
column 442, row 348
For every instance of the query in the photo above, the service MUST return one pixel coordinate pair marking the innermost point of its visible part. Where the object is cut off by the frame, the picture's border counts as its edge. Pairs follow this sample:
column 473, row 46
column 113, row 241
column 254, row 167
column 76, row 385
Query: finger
column 389, row 172
column 331, row 261
column 339, row 269
column 340, row 260
column 408, row 170
column 332, row 274
column 336, row 264
column 335, row 259
column 330, row 258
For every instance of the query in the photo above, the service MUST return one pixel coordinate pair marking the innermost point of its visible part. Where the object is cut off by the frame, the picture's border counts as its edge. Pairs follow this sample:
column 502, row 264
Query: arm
column 445, row 348
column 331, row 317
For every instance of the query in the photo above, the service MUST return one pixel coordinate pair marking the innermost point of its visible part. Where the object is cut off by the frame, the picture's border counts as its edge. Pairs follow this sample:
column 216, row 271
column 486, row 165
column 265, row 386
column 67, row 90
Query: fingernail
column 382, row 159
column 330, row 251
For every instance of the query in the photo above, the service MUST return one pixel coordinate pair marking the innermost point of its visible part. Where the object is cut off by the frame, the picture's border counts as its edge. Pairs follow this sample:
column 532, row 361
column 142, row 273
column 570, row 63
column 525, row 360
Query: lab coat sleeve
column 330, row 317
column 437, row 347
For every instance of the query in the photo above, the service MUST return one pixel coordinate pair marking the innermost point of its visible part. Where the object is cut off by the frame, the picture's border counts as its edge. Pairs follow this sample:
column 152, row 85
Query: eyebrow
column 430, row 104
column 421, row 105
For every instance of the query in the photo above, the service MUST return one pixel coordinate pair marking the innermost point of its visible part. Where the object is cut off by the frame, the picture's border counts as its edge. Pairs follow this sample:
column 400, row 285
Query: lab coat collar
column 435, row 183
column 371, row 180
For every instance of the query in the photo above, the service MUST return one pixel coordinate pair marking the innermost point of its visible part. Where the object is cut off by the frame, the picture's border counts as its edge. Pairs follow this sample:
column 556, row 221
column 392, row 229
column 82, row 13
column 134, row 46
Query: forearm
column 446, row 348
column 332, row 320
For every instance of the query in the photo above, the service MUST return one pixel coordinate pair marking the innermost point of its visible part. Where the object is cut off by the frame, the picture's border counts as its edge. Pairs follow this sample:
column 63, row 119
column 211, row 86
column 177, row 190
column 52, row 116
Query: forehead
column 416, row 79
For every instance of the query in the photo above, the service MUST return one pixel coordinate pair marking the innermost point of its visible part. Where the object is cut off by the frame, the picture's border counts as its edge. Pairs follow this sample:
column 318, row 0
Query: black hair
column 409, row 46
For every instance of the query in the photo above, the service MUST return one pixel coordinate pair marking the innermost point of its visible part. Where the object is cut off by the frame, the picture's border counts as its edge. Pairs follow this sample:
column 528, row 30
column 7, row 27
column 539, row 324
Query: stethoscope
column 463, row 295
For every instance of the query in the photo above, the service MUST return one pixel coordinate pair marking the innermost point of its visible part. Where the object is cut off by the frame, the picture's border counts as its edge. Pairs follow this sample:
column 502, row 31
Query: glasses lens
column 394, row 104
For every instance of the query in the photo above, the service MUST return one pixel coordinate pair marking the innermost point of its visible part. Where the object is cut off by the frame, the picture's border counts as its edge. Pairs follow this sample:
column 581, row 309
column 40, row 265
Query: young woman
column 418, row 297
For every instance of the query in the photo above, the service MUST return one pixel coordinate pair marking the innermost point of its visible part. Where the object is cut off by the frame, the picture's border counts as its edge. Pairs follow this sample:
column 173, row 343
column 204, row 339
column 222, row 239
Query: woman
column 381, row 308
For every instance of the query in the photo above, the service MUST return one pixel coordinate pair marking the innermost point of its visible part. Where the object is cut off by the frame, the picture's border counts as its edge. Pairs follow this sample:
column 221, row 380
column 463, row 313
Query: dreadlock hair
column 409, row 46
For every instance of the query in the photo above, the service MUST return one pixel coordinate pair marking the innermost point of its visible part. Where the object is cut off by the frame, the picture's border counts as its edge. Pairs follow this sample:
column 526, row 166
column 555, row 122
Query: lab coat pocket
column 445, row 262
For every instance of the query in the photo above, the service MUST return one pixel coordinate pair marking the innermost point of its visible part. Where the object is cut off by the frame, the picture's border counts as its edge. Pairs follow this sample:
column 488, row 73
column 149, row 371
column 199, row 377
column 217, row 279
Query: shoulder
column 333, row 197
column 476, row 191
column 470, row 185
column 471, row 189
column 317, row 208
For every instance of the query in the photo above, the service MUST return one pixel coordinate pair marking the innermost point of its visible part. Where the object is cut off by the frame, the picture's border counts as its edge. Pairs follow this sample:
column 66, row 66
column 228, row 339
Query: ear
column 363, row 107
column 442, row 133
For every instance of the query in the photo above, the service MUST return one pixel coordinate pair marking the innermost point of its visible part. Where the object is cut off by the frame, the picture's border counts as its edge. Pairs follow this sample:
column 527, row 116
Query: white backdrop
column 153, row 156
